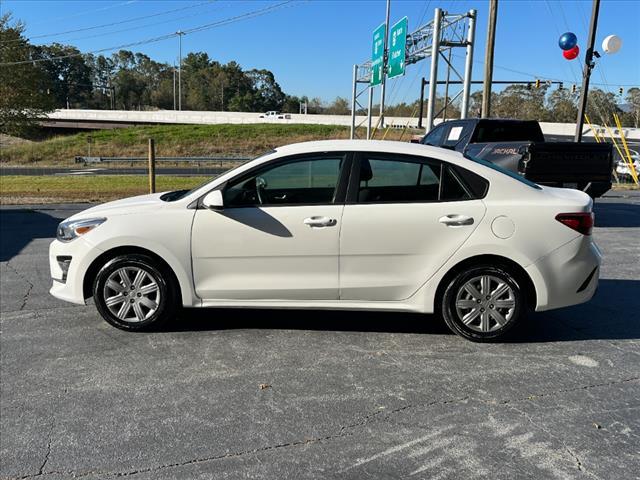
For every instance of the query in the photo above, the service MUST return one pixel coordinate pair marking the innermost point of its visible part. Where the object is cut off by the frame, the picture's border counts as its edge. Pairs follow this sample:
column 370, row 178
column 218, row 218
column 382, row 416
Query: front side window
column 304, row 181
column 386, row 180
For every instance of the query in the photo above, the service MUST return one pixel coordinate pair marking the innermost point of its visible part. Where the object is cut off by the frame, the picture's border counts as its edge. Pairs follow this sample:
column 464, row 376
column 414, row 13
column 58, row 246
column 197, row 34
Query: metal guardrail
column 92, row 160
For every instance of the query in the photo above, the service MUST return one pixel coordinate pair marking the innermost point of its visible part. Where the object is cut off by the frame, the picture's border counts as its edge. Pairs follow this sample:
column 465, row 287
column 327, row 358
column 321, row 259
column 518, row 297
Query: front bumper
column 568, row 275
column 70, row 287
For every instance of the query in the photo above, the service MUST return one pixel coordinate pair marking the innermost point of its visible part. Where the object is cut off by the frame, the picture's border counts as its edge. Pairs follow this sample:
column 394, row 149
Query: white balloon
column 611, row 44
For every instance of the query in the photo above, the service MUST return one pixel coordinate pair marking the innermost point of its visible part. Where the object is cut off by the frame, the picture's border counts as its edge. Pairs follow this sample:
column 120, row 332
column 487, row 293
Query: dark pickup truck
column 519, row 146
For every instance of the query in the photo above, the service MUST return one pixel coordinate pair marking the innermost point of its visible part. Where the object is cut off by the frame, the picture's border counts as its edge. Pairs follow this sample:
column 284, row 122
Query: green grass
column 170, row 140
column 43, row 189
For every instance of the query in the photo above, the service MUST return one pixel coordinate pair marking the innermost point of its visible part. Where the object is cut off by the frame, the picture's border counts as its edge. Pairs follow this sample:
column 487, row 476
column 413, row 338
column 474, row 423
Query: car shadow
column 613, row 314
column 19, row 226
column 258, row 219
column 617, row 215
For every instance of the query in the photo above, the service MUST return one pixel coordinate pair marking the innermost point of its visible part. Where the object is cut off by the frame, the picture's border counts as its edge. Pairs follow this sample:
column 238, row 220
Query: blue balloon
column 567, row 41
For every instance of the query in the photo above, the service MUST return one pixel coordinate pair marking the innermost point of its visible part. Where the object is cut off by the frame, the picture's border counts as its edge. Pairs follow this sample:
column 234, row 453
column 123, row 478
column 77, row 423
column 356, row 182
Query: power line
column 529, row 74
column 252, row 14
column 79, row 14
column 129, row 20
column 227, row 21
column 137, row 27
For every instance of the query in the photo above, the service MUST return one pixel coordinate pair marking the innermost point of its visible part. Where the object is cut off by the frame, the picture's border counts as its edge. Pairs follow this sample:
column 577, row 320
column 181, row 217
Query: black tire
column 164, row 297
column 483, row 327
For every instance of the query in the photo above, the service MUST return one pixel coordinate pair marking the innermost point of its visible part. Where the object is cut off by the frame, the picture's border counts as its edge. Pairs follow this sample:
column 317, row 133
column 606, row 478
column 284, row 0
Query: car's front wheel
column 483, row 303
column 133, row 292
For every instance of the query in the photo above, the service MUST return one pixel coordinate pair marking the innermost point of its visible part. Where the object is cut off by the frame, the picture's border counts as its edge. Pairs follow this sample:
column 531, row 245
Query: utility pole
column 488, row 62
column 384, row 63
column 586, row 74
column 174, row 85
column 180, row 33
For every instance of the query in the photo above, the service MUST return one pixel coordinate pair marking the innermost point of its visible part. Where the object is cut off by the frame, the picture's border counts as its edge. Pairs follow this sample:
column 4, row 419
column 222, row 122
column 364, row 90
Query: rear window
column 497, row 131
column 506, row 172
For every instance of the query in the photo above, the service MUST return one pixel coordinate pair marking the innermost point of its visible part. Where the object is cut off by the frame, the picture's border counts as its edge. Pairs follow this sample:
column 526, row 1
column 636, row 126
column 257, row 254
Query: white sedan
column 344, row 224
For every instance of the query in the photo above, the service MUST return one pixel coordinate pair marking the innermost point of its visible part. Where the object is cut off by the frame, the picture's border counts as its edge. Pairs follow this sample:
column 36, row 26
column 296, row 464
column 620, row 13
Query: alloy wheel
column 131, row 294
column 485, row 303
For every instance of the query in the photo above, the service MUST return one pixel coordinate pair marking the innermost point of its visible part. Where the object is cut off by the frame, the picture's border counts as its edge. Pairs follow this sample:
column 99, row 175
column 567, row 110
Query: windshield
column 508, row 173
column 179, row 194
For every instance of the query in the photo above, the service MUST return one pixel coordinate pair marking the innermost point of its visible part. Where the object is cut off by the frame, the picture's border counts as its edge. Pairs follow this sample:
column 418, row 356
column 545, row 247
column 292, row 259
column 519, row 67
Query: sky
column 311, row 45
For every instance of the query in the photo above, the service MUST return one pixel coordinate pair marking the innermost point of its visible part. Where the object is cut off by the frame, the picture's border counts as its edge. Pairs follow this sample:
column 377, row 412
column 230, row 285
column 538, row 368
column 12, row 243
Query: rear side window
column 394, row 180
column 457, row 133
column 434, row 137
column 452, row 188
column 504, row 171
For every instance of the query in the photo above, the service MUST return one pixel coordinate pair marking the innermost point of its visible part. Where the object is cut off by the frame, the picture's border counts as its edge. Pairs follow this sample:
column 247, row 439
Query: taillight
column 580, row 222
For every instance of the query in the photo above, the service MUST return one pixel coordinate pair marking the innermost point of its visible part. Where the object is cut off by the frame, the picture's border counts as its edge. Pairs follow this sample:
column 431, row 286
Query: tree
column 521, row 102
column 23, row 88
column 292, row 104
column 561, row 107
column 102, row 70
column 340, row 106
column 268, row 94
column 633, row 104
column 601, row 106
column 315, row 105
column 69, row 78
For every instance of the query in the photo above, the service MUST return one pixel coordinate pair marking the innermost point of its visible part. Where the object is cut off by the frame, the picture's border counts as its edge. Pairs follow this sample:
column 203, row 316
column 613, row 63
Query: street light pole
column 586, row 74
column 180, row 34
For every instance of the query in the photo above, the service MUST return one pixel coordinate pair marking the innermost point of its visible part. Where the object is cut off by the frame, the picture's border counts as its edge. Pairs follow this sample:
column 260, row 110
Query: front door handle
column 456, row 220
column 316, row 222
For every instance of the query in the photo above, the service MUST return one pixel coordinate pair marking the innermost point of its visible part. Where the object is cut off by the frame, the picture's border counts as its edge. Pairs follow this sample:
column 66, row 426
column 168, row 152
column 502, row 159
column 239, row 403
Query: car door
column 404, row 217
column 277, row 236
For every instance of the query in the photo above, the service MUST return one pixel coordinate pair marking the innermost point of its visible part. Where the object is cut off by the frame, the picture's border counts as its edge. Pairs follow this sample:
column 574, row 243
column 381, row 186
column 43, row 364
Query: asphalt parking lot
column 292, row 394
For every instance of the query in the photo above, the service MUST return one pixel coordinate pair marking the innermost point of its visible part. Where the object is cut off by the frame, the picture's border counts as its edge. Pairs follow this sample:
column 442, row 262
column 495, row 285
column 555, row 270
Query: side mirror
column 213, row 200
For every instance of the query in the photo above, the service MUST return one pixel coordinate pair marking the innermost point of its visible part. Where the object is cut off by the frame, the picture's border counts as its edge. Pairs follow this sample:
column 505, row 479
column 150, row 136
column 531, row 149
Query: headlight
column 70, row 229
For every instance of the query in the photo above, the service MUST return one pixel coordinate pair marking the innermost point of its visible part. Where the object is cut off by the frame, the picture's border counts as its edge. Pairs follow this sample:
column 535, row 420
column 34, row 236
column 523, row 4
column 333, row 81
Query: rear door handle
column 316, row 222
column 456, row 220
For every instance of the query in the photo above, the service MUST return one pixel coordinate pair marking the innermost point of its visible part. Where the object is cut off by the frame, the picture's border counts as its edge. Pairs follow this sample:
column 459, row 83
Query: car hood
column 122, row 207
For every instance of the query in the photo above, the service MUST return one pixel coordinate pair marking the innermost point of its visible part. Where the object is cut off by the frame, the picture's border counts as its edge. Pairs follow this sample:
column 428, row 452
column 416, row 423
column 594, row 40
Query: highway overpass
column 105, row 119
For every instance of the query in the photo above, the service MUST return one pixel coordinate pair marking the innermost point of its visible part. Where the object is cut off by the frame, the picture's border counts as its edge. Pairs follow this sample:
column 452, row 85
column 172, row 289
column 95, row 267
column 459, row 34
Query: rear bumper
column 568, row 275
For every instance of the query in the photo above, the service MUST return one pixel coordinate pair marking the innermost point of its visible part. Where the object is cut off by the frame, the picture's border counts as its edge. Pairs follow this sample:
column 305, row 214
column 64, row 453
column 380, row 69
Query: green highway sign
column 377, row 55
column 397, row 48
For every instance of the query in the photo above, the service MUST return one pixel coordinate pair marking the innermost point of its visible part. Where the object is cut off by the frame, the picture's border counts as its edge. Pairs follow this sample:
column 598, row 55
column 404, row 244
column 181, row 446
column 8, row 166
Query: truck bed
column 580, row 163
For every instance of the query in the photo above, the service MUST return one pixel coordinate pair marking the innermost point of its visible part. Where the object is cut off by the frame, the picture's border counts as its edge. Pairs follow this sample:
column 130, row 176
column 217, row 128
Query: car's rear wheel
column 133, row 292
column 483, row 303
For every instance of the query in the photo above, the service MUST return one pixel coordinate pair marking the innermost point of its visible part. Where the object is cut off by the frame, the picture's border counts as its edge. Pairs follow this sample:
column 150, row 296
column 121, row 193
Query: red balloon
column 571, row 53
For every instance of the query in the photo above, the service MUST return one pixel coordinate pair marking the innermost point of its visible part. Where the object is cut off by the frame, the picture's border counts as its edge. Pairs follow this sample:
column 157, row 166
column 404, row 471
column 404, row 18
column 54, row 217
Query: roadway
column 297, row 394
column 82, row 171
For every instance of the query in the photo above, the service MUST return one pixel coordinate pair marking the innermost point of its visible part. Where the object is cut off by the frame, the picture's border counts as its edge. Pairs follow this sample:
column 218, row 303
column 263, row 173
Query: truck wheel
column 132, row 292
column 483, row 303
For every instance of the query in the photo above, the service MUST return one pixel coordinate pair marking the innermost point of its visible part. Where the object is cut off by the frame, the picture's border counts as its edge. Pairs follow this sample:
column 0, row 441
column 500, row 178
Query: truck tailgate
column 567, row 162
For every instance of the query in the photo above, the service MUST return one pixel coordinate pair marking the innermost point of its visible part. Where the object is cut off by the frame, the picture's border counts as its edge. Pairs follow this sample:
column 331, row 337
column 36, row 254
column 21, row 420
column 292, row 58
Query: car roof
column 386, row 146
